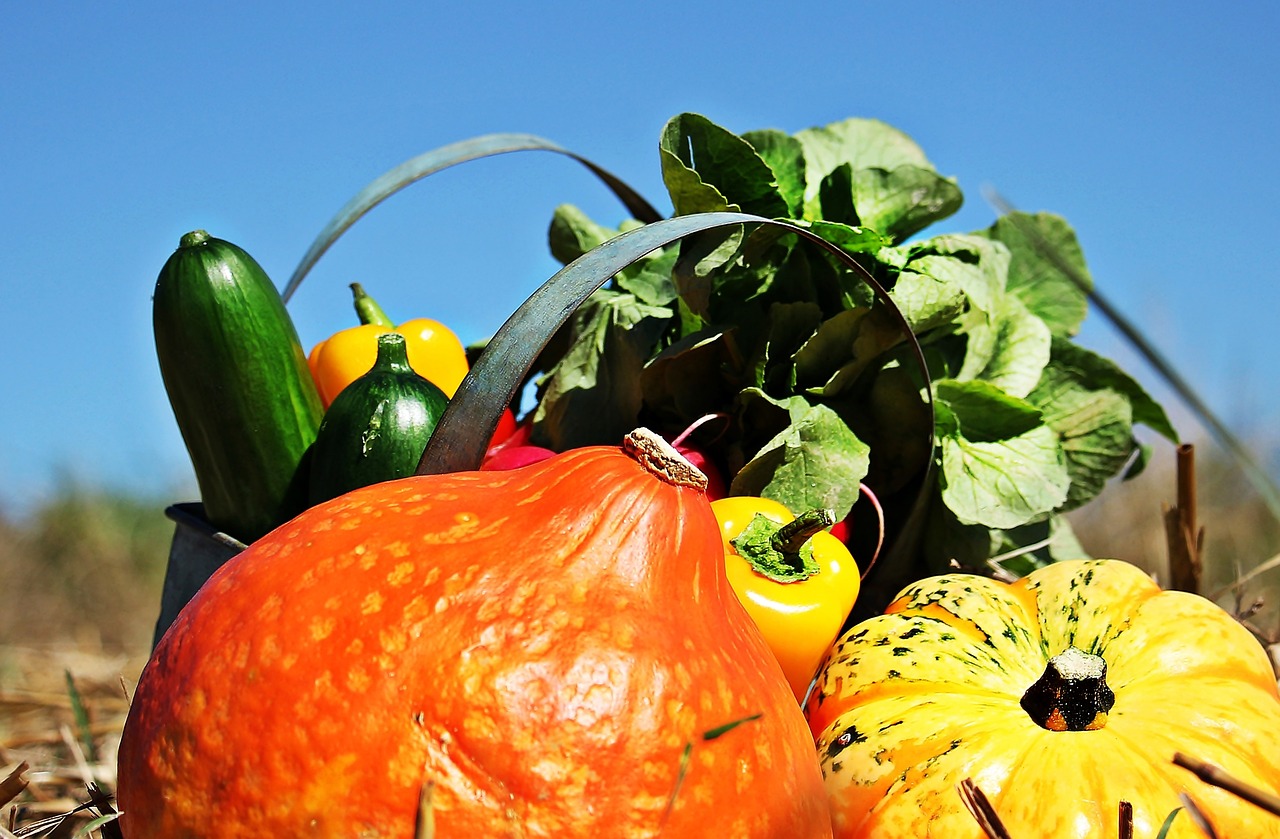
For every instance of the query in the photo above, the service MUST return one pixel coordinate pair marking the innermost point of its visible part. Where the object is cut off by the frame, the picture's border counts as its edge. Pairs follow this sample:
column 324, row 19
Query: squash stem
column 1072, row 694
column 193, row 239
column 661, row 459
column 393, row 354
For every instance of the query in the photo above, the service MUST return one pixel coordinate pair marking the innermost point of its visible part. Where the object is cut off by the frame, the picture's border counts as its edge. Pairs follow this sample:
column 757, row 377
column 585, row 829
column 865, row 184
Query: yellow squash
column 1060, row 695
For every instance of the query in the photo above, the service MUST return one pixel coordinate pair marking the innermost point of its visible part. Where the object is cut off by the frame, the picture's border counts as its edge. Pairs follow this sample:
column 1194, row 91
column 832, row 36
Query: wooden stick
column 1126, row 820
column 1215, row 776
column 426, row 824
column 1187, row 486
column 979, row 806
column 1182, row 531
column 14, row 783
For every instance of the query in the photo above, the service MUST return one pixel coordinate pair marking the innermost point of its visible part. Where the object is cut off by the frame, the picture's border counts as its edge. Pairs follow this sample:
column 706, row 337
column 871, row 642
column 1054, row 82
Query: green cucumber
column 377, row 428
column 238, row 383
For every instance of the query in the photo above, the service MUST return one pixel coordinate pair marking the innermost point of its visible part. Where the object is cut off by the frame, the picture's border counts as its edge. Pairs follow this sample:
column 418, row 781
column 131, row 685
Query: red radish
column 506, row 427
column 843, row 529
column 717, row 487
column 514, row 449
column 513, row 457
column 715, row 481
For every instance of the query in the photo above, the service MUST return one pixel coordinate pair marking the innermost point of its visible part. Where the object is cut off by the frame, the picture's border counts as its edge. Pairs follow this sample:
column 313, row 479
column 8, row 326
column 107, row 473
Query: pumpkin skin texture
column 554, row 649
column 912, row 702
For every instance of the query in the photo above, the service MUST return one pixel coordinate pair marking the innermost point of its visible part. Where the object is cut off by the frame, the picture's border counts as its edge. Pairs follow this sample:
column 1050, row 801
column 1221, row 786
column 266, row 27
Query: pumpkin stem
column 662, row 460
column 1072, row 694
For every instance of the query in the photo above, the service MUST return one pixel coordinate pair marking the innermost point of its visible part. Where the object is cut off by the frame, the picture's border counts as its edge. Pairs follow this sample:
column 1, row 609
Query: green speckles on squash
column 1073, row 603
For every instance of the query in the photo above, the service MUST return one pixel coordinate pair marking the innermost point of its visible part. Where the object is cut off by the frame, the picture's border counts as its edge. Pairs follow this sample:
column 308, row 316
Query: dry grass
column 67, row 737
column 1240, row 536
column 80, row 586
column 79, row 592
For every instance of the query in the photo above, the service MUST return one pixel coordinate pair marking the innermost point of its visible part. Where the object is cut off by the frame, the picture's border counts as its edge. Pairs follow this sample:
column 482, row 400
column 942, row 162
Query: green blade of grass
column 81, row 715
column 99, row 822
column 681, row 772
column 1168, row 823
column 721, row 730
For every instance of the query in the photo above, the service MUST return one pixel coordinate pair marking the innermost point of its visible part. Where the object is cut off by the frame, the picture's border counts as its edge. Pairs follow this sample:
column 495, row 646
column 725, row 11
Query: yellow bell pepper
column 796, row 580
column 435, row 352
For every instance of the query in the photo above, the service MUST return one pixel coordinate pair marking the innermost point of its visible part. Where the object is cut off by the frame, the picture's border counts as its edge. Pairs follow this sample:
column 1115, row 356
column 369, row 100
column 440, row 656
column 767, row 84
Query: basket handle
column 417, row 168
column 461, row 436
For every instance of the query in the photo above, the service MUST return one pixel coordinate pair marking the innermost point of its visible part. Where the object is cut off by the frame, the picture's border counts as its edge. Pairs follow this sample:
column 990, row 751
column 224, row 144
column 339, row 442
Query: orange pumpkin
column 1060, row 695
column 549, row 651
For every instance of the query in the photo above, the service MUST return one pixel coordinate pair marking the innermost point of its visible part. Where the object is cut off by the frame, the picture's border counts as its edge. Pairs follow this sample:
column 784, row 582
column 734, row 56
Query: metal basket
column 196, row 552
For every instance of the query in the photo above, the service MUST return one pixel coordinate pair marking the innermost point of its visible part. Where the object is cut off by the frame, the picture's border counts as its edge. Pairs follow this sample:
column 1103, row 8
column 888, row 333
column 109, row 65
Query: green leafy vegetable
column 1033, row 276
column 592, row 395
column 815, row 462
column 811, row 372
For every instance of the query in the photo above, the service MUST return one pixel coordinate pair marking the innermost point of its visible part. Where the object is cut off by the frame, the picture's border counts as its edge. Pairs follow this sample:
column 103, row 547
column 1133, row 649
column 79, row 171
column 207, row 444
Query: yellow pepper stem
column 368, row 310
column 793, row 535
column 782, row 553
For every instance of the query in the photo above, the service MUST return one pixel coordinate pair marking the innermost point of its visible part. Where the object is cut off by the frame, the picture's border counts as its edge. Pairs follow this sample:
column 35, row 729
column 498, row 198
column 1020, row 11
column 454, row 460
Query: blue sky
column 1150, row 127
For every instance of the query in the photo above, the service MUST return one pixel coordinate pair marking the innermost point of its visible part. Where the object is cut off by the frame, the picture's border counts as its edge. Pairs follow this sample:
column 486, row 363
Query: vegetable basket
column 507, row 361
column 196, row 552
column 923, row 393
column 939, row 374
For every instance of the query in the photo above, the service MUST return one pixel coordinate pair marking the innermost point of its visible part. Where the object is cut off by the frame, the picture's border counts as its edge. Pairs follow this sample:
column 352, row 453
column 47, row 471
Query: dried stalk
column 14, row 783
column 426, row 823
column 1126, row 820
column 1215, row 776
column 1184, row 535
column 979, row 806
column 101, row 801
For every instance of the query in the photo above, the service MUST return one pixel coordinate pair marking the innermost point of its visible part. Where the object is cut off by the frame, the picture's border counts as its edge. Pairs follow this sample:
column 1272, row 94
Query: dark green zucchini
column 377, row 427
column 238, row 382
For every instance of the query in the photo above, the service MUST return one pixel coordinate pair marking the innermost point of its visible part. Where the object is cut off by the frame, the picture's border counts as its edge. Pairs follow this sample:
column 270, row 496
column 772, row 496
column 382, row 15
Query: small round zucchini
column 377, row 427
